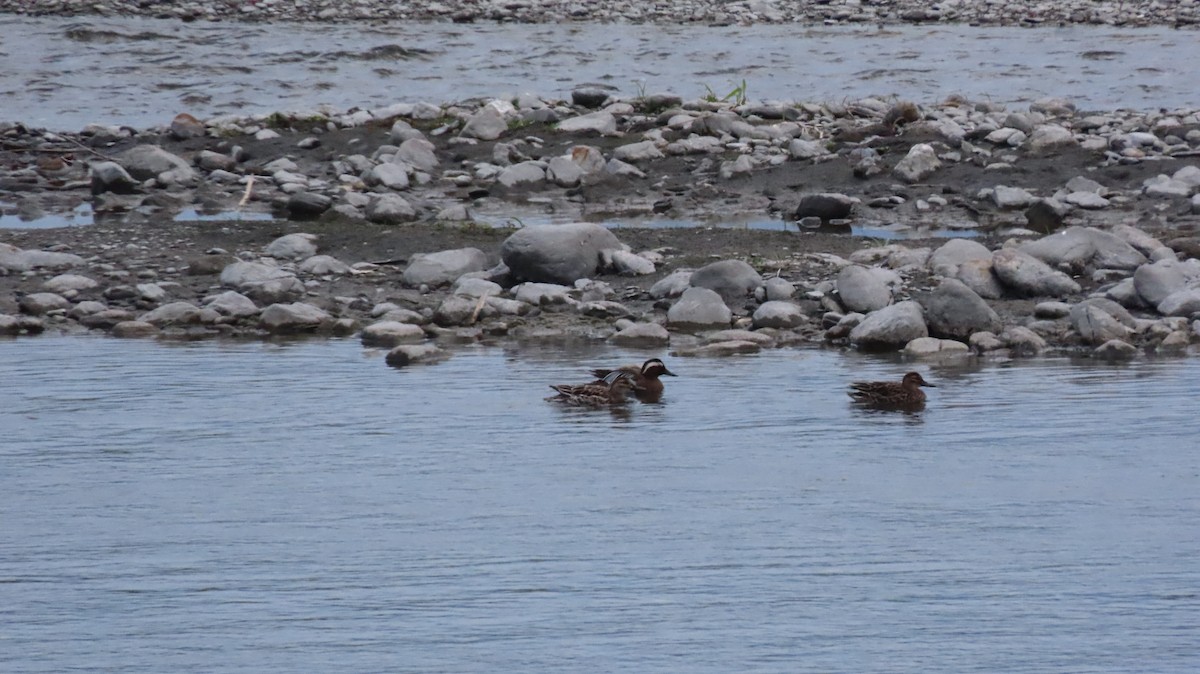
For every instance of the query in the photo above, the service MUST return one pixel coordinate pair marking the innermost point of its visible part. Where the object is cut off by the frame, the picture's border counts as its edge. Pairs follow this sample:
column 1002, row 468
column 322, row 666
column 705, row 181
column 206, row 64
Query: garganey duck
column 610, row 390
column 646, row 383
column 905, row 393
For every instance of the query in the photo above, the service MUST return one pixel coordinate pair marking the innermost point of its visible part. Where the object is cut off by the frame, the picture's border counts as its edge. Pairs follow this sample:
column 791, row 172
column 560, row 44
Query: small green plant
column 277, row 120
column 737, row 96
column 517, row 123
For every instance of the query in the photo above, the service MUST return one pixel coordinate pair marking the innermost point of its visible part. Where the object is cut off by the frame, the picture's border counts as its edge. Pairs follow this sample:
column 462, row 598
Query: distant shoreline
column 700, row 12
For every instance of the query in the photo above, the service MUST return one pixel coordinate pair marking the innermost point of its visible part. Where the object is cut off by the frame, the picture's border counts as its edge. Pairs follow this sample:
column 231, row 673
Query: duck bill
column 669, row 373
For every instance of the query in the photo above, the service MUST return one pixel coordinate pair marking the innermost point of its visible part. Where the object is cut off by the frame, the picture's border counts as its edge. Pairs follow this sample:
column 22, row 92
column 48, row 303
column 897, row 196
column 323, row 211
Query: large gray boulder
column 920, row 163
column 861, row 290
column 1154, row 282
column 418, row 153
column 144, row 162
column 955, row 311
column 826, row 206
column 699, row 309
column 69, row 282
column 109, row 176
column 43, row 303
column 980, row 277
column 557, row 253
column 262, row 283
column 390, row 209
column 178, row 313
column 524, row 173
column 1028, row 276
column 733, row 280
column 891, row 327
column 672, row 285
column 1185, row 302
column 486, row 124
column 1095, row 325
column 444, row 267
column 1082, row 247
column 232, row 303
column 946, row 259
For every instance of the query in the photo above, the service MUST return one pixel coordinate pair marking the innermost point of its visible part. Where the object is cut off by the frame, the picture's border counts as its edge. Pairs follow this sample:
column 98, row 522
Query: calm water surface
column 217, row 507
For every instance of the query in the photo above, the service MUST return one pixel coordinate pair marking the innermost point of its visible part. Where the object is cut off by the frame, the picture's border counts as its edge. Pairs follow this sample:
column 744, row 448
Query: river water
column 63, row 73
column 246, row 507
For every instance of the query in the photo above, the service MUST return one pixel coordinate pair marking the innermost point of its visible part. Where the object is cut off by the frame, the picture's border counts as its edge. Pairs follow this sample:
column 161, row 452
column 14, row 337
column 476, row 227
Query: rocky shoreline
column 705, row 12
column 1072, row 230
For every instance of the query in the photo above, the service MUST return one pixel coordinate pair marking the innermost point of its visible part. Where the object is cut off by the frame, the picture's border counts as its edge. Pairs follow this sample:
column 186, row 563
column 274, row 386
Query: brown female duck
column 646, row 386
column 905, row 393
column 610, row 390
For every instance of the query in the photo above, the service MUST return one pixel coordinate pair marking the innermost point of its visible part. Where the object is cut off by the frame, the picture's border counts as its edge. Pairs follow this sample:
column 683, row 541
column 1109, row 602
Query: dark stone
column 827, row 206
column 1046, row 215
column 308, row 204
column 589, row 97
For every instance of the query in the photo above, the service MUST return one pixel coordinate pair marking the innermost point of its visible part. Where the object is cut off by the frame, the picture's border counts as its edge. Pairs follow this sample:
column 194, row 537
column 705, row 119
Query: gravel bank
column 710, row 12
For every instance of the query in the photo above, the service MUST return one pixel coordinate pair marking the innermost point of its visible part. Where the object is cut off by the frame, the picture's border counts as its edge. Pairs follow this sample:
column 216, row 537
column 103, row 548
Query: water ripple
column 254, row 507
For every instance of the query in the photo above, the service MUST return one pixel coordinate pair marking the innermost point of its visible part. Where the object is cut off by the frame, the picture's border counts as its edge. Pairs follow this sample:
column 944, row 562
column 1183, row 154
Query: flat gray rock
column 324, row 265
column 642, row 334
column 67, row 282
column 603, row 123
column 444, row 267
column 934, row 348
column 294, row 317
column 293, row 246
column 391, row 333
column 239, row 274
column 1083, row 247
column 411, row 354
column 778, row 314
column 16, row 259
